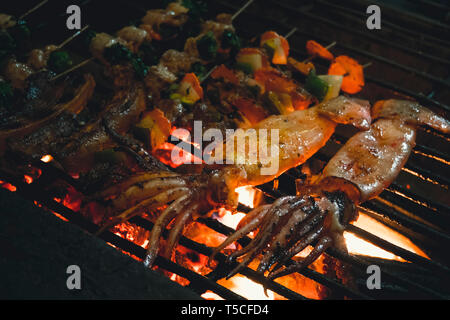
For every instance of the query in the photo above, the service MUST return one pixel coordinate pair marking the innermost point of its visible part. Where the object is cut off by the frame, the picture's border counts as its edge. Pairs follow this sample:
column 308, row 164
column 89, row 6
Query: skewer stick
column 72, row 69
column 290, row 33
column 208, row 74
column 76, row 34
column 232, row 18
column 327, row 47
column 241, row 9
column 368, row 64
column 33, row 9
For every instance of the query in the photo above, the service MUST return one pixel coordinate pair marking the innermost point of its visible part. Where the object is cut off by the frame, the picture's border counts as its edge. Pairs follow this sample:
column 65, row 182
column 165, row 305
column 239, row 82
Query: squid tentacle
column 257, row 216
column 160, row 224
column 176, row 231
column 148, row 204
column 268, row 223
column 298, row 223
column 322, row 244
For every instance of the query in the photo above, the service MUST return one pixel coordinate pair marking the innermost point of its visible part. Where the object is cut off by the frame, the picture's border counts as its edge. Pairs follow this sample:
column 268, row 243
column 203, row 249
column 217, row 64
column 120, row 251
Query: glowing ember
column 357, row 245
column 209, row 295
column 28, row 179
column 47, row 158
column 8, row 186
column 229, row 219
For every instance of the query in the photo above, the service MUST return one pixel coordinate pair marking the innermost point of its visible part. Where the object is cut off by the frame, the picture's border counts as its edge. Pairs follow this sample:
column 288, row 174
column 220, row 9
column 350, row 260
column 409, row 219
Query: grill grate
column 422, row 217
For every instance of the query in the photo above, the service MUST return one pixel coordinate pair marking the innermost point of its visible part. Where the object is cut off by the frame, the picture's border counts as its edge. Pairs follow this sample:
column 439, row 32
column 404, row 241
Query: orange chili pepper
column 223, row 72
column 317, row 50
column 352, row 71
column 192, row 79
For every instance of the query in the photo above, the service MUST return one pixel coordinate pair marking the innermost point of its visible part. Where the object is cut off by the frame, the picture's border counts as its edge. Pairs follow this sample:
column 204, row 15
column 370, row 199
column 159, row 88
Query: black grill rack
column 410, row 57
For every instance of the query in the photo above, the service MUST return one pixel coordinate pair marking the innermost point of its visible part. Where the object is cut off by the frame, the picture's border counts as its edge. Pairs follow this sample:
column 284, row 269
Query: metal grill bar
column 356, row 15
column 298, row 10
column 199, row 283
column 420, row 97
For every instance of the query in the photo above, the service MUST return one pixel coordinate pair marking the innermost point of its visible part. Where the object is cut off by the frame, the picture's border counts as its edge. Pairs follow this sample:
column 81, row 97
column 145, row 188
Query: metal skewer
column 327, row 47
column 72, row 69
column 241, row 9
column 76, row 34
column 237, row 13
column 290, row 33
column 33, row 9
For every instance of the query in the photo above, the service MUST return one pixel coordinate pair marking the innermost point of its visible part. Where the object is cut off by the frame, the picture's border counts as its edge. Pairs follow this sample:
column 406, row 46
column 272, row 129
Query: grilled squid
column 185, row 197
column 320, row 211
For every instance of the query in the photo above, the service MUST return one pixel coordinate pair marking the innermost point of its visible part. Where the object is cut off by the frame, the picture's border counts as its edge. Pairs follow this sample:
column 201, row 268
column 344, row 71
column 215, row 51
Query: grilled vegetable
column 276, row 45
column 199, row 69
column 222, row 72
column 334, row 85
column 281, row 101
column 59, row 61
column 316, row 86
column 249, row 60
column 189, row 90
column 207, row 46
column 302, row 67
column 272, row 80
column 153, row 129
column 231, row 41
column 118, row 54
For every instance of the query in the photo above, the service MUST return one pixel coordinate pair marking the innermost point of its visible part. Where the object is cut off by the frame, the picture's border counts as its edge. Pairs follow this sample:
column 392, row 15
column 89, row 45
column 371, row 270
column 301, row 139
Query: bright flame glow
column 246, row 288
column 231, row 220
column 8, row 186
column 246, row 195
column 209, row 295
column 47, row 158
column 28, row 179
column 357, row 245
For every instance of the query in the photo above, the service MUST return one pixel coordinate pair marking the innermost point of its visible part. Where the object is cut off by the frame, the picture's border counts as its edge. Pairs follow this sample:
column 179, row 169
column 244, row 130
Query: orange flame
column 357, row 245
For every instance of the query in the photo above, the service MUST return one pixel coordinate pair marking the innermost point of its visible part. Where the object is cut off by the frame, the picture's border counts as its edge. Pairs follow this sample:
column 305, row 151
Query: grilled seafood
column 301, row 134
column 20, row 125
column 320, row 211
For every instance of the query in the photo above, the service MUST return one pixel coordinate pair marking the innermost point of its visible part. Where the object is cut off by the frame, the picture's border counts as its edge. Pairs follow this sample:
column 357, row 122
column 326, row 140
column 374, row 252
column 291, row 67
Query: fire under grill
column 410, row 57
